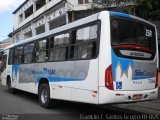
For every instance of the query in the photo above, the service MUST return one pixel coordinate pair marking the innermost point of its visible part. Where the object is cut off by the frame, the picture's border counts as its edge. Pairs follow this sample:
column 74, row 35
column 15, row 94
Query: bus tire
column 44, row 96
column 9, row 86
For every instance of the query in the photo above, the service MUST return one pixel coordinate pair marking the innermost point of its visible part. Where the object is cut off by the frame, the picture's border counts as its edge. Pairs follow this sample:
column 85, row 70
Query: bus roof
column 129, row 16
column 75, row 24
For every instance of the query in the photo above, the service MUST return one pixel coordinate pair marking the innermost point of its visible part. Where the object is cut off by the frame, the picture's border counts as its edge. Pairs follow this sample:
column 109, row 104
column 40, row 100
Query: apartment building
column 34, row 17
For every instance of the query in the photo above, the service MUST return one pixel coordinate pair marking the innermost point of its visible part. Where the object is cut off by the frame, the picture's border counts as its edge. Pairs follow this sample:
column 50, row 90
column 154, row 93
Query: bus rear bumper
column 109, row 96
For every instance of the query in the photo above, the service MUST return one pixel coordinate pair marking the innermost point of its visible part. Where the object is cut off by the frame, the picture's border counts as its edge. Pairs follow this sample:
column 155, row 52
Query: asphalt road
column 26, row 105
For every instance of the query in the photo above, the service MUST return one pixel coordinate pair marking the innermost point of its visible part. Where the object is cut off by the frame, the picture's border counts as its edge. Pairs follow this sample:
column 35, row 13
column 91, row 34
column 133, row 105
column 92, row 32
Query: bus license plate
column 137, row 97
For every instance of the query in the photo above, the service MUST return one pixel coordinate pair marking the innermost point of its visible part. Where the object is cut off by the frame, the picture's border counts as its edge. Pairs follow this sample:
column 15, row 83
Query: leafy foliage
column 109, row 3
column 148, row 9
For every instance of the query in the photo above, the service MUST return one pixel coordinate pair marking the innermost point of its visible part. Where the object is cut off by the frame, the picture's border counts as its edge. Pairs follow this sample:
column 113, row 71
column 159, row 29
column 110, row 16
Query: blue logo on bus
column 143, row 74
column 118, row 85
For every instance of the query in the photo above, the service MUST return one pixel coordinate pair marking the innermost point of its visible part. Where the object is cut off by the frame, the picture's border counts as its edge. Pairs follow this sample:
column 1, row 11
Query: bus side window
column 18, row 53
column 85, row 51
column 42, row 50
column 85, row 46
column 11, row 56
column 87, row 33
column 59, row 51
column 28, row 52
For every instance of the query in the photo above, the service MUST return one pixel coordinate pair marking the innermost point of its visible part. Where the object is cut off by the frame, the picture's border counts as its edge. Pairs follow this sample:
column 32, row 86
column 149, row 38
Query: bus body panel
column 134, row 53
column 110, row 96
column 133, row 74
column 83, row 85
column 76, row 78
column 131, row 78
column 104, row 47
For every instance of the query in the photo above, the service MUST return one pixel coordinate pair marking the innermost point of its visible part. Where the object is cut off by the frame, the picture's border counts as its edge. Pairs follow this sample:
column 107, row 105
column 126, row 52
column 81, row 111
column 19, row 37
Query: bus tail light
column 108, row 78
column 156, row 79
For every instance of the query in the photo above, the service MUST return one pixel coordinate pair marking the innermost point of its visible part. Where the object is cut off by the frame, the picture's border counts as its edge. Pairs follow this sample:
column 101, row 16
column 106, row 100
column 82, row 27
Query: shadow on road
column 66, row 107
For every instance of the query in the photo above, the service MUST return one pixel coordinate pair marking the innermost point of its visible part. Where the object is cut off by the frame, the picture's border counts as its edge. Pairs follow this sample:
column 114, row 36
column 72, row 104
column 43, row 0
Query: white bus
column 108, row 57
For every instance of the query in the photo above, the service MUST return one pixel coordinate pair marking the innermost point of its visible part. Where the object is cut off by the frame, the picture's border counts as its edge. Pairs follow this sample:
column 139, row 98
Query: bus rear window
column 132, row 32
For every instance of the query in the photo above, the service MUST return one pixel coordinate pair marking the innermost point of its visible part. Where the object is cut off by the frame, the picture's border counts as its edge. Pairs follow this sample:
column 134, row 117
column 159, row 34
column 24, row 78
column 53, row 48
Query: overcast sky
column 6, row 17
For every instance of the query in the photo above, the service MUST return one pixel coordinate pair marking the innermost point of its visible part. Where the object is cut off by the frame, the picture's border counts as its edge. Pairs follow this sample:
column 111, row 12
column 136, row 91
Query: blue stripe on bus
column 143, row 78
column 120, row 14
column 59, row 79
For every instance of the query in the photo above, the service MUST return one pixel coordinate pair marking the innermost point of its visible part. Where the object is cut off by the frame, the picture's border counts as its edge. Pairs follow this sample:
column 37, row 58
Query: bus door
column 3, row 67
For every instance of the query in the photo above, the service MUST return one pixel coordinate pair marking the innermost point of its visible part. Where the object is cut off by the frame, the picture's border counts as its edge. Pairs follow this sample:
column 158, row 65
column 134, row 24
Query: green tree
column 148, row 9
column 114, row 5
column 109, row 3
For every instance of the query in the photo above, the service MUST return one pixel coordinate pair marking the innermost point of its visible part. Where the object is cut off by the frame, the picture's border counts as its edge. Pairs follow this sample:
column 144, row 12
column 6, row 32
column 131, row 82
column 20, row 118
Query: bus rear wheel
column 44, row 96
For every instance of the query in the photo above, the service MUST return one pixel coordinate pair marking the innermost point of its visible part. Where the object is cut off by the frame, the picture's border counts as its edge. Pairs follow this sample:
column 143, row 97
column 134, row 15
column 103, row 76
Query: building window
column 28, row 52
column 18, row 37
column 29, row 12
column 57, row 22
column 40, row 3
column 41, row 50
column 28, row 35
column 20, row 18
column 80, row 1
column 40, row 30
column 83, row 1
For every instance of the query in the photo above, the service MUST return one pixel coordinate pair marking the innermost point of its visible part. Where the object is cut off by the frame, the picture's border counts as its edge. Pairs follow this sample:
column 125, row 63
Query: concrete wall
column 73, row 2
column 70, row 4
column 18, row 24
column 43, row 16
